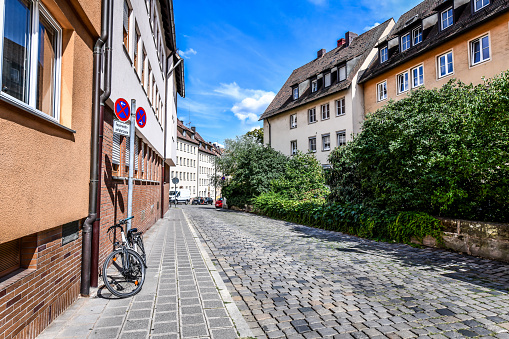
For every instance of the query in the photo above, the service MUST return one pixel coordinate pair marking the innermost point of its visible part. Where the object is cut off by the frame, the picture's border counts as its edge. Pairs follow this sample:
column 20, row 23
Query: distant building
column 435, row 42
column 195, row 165
column 321, row 104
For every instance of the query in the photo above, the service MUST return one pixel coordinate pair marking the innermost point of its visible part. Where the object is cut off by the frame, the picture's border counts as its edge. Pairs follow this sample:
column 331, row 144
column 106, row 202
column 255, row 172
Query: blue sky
column 239, row 53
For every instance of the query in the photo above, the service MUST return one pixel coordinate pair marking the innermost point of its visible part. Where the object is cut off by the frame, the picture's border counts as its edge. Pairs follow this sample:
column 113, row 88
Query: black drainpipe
column 93, row 192
column 96, row 227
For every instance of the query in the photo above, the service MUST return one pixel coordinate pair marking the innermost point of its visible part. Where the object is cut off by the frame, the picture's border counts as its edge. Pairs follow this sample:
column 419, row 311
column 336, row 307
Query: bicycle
column 124, row 269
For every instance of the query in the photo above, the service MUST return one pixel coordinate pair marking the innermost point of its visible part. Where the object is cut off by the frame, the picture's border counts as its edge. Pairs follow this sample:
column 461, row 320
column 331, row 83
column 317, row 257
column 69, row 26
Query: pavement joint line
column 232, row 309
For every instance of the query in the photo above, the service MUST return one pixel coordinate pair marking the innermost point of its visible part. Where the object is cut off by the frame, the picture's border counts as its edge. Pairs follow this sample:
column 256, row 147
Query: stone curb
column 238, row 320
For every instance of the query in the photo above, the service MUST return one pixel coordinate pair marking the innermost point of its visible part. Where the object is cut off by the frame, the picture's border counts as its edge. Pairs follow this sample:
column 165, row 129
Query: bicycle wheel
column 124, row 278
column 140, row 248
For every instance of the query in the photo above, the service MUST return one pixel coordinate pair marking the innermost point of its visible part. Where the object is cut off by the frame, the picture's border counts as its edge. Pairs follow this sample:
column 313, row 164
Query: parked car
column 182, row 195
column 209, row 201
column 198, row 201
column 219, row 203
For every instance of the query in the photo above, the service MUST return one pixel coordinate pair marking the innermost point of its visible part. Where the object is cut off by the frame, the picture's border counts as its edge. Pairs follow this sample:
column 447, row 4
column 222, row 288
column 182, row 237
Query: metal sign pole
column 132, row 138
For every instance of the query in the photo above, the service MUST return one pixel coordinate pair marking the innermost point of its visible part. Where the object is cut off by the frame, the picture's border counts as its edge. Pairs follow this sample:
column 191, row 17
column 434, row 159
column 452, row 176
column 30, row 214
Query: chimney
column 349, row 36
column 341, row 42
column 193, row 129
column 320, row 53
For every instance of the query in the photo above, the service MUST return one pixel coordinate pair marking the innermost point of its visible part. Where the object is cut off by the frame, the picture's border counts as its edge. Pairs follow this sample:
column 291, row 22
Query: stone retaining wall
column 483, row 239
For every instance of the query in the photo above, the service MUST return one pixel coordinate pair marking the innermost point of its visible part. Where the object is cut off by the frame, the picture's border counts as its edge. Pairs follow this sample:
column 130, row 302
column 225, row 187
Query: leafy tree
column 257, row 134
column 250, row 168
column 442, row 151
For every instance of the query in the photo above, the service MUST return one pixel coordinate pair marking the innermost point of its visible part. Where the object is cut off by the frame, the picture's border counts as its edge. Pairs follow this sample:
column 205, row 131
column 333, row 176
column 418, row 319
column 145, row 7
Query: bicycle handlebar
column 123, row 221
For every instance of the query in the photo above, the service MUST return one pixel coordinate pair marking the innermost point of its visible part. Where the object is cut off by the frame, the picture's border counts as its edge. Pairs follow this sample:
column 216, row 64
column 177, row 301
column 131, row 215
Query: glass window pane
column 46, row 67
column 485, row 48
column 16, row 49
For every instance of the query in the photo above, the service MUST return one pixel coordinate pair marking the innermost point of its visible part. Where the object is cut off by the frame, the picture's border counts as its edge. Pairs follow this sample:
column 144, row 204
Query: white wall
column 125, row 81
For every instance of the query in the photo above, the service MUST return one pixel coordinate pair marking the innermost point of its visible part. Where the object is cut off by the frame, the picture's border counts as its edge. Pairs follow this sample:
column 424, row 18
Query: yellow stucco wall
column 498, row 30
column 45, row 168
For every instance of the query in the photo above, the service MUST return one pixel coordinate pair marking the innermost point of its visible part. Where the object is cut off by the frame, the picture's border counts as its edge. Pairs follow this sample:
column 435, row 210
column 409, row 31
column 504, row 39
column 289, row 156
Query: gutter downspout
column 96, row 227
column 93, row 191
column 168, row 74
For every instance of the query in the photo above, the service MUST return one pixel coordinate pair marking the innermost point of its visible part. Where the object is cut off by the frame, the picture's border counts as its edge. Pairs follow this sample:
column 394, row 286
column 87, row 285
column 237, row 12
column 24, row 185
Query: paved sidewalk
column 183, row 296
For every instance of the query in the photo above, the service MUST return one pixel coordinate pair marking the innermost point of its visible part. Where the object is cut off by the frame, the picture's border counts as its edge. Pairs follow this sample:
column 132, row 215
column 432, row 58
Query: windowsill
column 480, row 63
column 414, row 87
column 325, row 119
column 312, row 151
column 13, row 277
column 380, row 100
column 401, row 93
column 312, row 122
column 445, row 76
column 340, row 115
column 326, row 150
column 293, row 127
column 9, row 100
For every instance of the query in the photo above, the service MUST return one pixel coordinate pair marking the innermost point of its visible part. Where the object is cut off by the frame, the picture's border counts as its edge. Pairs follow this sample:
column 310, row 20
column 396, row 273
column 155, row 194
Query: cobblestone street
column 299, row 282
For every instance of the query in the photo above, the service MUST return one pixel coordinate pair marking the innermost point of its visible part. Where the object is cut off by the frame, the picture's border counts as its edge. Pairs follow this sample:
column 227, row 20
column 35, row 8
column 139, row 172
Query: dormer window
column 184, row 132
column 446, row 17
column 342, row 73
column 295, row 93
column 417, row 36
column 314, row 86
column 478, row 4
column 327, row 80
column 384, row 54
column 405, row 42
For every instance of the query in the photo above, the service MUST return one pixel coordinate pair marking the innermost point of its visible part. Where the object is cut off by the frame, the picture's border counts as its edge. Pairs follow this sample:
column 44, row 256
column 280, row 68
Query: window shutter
column 142, row 157
column 136, row 154
column 115, row 156
column 126, row 16
column 11, row 257
column 127, row 143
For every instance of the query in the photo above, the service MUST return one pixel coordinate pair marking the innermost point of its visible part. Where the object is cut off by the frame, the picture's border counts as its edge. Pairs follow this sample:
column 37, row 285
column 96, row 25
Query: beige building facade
column 476, row 47
column 45, row 124
column 320, row 107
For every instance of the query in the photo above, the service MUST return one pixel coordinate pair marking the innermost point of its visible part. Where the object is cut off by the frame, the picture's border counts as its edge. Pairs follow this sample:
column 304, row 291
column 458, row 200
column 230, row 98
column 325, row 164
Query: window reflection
column 46, row 66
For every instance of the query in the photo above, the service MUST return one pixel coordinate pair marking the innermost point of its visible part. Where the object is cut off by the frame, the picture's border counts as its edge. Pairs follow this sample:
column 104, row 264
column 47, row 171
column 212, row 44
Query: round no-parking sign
column 141, row 117
column 122, row 109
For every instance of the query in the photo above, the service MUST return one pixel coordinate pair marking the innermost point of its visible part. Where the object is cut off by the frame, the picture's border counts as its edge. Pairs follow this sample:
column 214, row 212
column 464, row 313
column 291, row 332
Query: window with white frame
column 381, row 91
column 405, row 42
column 312, row 115
column 136, row 49
column 312, row 144
column 126, row 21
column 31, row 58
column 314, row 85
column 325, row 111
column 326, row 142
column 478, row 4
column 418, row 76
column 143, row 66
column 417, row 36
column 327, row 80
column 293, row 147
column 384, row 54
column 480, row 50
column 341, row 138
column 295, row 93
column 445, row 64
column 446, row 18
column 342, row 73
column 402, row 82
column 340, row 107
column 293, row 121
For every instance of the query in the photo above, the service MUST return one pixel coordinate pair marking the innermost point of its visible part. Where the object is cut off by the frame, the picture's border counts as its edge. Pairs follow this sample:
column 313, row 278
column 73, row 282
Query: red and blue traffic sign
column 122, row 109
column 141, row 117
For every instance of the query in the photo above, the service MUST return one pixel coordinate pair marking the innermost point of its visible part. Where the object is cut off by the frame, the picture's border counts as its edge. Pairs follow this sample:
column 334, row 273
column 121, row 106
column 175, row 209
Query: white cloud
column 367, row 28
column 187, row 54
column 250, row 103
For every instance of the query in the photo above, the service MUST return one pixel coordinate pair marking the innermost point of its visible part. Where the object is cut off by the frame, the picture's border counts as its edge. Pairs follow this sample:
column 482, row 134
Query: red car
column 219, row 203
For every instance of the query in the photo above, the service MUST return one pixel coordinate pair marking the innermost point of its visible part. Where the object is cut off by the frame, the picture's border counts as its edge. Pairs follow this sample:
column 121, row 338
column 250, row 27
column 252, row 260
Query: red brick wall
column 32, row 297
